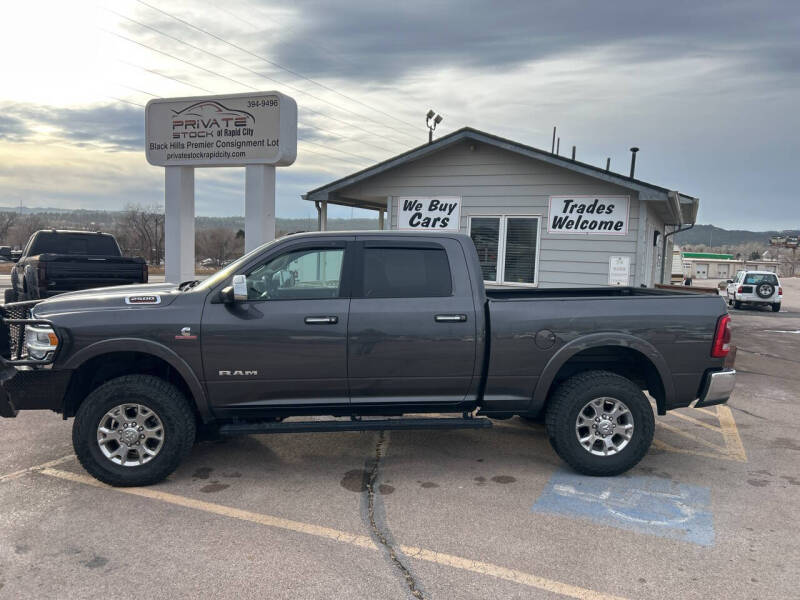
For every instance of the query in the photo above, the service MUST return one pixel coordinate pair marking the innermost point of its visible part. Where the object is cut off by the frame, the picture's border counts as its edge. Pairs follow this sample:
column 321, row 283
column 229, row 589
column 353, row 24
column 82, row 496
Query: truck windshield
column 91, row 244
column 756, row 278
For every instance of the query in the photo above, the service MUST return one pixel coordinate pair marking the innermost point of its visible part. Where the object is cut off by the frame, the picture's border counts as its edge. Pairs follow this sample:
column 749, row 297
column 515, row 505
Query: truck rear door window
column 406, row 273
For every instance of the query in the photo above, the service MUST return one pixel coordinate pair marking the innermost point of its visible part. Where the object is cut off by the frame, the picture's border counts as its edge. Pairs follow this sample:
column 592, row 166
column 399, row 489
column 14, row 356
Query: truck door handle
column 321, row 320
column 450, row 318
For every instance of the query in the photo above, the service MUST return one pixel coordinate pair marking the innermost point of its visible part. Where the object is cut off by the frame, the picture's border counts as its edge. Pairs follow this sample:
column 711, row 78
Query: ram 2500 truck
column 361, row 328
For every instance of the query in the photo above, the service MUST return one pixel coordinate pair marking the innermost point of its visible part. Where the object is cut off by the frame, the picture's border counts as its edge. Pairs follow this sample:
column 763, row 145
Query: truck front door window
column 306, row 274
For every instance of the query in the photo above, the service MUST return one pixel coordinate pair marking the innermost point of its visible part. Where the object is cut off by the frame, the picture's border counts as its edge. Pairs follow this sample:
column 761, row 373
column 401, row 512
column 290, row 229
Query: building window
column 508, row 248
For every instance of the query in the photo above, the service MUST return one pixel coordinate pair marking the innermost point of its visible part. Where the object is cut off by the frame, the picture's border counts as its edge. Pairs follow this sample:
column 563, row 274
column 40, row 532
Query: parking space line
column 21, row 472
column 694, row 421
column 710, row 413
column 449, row 560
column 730, row 433
column 661, row 445
column 699, row 440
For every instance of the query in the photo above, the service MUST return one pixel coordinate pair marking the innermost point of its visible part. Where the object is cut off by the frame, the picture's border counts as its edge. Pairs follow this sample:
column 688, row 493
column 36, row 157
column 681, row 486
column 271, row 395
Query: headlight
column 41, row 341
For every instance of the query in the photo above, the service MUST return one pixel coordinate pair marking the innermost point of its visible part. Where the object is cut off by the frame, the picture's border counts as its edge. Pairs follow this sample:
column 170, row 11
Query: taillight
column 145, row 273
column 722, row 338
column 780, row 291
column 740, row 289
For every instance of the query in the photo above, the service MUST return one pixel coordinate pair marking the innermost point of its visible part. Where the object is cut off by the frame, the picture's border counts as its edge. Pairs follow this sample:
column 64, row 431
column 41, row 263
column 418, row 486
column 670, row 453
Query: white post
column 179, row 224
column 324, row 216
column 381, row 213
column 259, row 206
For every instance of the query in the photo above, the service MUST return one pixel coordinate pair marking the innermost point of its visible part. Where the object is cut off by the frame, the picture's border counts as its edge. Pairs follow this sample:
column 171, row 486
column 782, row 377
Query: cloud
column 110, row 126
column 367, row 40
column 13, row 128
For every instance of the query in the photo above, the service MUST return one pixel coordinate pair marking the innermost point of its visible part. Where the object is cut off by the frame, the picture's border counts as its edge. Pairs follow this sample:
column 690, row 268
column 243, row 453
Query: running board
column 352, row 425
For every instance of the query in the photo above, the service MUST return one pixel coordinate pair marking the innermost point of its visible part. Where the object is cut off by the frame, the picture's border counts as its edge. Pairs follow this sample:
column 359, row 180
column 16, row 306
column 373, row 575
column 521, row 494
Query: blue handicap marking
column 644, row 504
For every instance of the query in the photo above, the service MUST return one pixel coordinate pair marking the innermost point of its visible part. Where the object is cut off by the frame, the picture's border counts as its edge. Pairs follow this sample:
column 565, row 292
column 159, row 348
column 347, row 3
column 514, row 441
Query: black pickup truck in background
column 56, row 261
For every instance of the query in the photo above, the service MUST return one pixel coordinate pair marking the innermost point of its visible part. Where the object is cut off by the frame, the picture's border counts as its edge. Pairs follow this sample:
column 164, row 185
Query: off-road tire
column 572, row 396
column 776, row 307
column 160, row 396
column 10, row 295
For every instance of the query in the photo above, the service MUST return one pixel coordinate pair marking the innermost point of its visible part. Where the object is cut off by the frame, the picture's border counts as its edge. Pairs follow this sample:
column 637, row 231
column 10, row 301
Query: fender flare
column 596, row 340
column 147, row 347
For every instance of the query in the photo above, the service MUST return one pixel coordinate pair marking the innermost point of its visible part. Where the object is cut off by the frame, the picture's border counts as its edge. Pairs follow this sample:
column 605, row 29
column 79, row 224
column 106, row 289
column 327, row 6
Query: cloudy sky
column 710, row 91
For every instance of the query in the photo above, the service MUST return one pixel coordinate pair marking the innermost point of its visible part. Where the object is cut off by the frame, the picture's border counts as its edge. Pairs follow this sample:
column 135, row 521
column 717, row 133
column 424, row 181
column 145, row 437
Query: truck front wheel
column 133, row 430
column 600, row 423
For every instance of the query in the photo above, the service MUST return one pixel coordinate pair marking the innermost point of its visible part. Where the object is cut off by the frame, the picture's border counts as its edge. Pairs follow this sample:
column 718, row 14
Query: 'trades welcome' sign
column 592, row 215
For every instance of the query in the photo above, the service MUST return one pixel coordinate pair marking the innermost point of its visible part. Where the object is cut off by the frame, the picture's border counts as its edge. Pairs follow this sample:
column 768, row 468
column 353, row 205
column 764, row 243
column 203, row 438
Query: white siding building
column 537, row 219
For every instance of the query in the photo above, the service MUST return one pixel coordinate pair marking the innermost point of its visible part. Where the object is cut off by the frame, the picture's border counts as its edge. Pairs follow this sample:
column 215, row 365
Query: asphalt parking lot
column 711, row 512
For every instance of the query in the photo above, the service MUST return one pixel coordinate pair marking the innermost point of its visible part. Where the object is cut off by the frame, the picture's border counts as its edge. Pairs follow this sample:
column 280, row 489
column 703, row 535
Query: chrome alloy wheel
column 604, row 426
column 130, row 435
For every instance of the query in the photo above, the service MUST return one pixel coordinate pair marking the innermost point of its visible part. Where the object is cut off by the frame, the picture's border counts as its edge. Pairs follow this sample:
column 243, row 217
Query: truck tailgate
column 68, row 273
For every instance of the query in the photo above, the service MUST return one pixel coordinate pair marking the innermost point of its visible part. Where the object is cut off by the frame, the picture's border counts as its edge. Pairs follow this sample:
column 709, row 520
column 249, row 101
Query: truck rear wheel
column 133, row 430
column 776, row 307
column 600, row 423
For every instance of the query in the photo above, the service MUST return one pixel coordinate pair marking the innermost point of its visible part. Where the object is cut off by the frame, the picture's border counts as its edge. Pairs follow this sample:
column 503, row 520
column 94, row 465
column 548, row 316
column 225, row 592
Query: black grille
column 12, row 345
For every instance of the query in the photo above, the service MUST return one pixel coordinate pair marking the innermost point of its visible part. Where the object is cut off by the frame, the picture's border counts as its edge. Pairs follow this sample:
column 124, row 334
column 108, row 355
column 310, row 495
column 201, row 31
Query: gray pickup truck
column 373, row 331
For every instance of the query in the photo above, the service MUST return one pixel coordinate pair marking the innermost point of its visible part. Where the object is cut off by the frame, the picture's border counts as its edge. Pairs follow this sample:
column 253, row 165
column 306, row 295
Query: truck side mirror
column 730, row 280
column 239, row 288
column 237, row 292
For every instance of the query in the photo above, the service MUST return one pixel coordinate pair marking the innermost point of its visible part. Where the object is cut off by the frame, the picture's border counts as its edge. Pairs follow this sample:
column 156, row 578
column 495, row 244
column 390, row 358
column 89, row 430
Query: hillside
column 716, row 236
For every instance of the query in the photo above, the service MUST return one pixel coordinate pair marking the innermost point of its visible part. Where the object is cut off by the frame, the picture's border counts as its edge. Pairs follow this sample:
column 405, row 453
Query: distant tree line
column 140, row 230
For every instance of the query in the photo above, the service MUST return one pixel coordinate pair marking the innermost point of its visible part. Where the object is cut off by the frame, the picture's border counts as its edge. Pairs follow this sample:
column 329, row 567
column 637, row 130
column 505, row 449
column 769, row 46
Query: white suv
column 755, row 287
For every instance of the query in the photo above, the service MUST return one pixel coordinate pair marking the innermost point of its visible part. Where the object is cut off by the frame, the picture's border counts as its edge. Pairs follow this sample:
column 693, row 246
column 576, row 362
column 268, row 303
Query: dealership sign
column 221, row 131
column 439, row 213
column 603, row 215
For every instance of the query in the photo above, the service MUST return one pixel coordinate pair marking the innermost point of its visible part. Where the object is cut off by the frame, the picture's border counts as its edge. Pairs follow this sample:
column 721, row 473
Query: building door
column 701, row 270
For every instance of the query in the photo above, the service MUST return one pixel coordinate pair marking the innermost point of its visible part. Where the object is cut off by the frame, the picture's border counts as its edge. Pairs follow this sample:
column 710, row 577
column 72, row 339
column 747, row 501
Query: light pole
column 432, row 119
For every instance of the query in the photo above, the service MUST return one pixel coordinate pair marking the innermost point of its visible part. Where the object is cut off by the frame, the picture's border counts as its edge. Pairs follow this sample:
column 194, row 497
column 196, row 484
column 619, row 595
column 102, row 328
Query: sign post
column 255, row 130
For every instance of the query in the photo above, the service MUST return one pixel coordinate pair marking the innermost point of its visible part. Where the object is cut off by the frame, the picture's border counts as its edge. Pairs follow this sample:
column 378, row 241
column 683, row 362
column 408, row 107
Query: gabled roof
column 647, row 191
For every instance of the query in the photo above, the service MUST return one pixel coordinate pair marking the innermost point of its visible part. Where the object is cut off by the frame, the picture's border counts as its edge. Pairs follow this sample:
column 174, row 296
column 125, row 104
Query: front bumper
column 717, row 388
column 32, row 389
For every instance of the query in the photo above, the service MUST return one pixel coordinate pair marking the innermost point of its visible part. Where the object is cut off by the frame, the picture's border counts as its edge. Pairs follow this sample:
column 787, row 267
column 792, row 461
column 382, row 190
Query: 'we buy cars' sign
column 593, row 215
column 440, row 213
